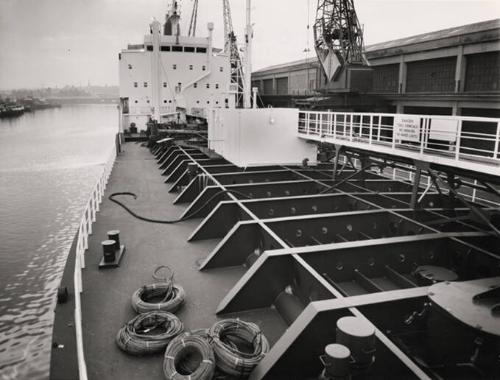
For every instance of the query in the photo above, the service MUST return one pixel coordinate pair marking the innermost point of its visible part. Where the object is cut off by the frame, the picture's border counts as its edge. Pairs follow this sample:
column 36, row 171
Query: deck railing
column 455, row 140
column 82, row 243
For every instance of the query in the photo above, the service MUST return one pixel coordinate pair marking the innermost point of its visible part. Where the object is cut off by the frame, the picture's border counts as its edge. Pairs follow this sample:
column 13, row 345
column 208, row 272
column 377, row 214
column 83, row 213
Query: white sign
column 407, row 128
column 444, row 129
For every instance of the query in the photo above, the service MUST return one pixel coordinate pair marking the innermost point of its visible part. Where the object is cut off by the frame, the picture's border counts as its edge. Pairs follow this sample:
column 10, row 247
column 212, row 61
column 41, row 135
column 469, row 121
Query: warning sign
column 407, row 128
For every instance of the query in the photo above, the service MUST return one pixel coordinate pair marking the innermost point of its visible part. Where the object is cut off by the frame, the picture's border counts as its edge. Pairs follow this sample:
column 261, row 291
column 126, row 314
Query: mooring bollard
column 115, row 235
column 108, row 250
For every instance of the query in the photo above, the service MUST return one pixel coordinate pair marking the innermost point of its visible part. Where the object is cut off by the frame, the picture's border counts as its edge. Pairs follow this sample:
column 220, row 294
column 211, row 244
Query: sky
column 48, row 43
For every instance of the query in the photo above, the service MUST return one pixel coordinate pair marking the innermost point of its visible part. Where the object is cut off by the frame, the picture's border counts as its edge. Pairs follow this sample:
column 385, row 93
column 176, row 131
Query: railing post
column 379, row 126
column 370, row 130
column 458, row 141
column 497, row 142
column 334, row 125
column 350, row 127
column 474, row 190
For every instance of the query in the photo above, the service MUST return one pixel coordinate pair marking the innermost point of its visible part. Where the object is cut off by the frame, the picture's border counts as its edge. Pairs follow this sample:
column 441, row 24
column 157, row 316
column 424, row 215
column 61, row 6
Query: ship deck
column 106, row 298
column 349, row 245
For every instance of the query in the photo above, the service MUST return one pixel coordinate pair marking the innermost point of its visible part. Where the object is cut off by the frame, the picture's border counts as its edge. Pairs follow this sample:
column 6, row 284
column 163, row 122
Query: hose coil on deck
column 189, row 357
column 148, row 333
column 171, row 297
column 238, row 346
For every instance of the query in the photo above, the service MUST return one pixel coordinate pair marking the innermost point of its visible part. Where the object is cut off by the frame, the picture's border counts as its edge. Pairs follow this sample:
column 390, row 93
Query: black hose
column 143, row 218
column 228, row 337
column 148, row 333
column 189, row 357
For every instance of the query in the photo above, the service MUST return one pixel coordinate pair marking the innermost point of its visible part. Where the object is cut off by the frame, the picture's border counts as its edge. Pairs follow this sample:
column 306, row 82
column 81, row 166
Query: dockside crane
column 231, row 48
column 338, row 37
column 194, row 17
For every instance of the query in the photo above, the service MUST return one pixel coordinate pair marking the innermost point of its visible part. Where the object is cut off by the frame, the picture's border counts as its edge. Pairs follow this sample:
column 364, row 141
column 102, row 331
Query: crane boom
column 338, row 36
column 231, row 48
column 194, row 17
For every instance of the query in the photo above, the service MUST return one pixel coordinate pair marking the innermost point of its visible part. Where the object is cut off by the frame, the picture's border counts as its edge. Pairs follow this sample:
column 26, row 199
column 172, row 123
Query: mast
column 247, row 96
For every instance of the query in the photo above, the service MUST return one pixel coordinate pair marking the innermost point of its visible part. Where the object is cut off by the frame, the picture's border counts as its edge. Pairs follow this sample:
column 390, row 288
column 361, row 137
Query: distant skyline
column 48, row 43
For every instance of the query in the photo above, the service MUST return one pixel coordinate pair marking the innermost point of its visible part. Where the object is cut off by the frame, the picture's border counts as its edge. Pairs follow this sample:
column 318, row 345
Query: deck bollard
column 108, row 250
column 115, row 235
column 336, row 362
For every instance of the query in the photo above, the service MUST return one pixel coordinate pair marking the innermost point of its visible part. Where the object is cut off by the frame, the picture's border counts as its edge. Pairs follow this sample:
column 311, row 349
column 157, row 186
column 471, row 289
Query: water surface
column 49, row 163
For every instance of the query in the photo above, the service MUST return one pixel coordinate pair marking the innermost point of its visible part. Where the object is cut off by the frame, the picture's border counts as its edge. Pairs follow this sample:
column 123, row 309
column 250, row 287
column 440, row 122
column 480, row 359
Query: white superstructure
column 170, row 76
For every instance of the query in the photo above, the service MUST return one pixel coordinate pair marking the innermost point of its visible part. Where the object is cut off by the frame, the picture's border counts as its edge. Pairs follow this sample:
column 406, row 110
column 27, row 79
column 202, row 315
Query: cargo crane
column 339, row 42
column 194, row 17
column 231, row 48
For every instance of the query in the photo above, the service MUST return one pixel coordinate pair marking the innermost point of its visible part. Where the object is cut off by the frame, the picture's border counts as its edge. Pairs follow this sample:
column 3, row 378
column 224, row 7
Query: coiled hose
column 148, row 333
column 150, row 220
column 164, row 295
column 189, row 356
column 238, row 346
column 170, row 297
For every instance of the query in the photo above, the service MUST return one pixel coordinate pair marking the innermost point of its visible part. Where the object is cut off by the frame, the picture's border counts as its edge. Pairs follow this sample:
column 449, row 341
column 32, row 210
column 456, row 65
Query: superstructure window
column 129, row 66
column 165, row 48
column 188, row 49
column 147, row 101
column 208, row 85
column 190, row 67
column 179, row 86
column 145, row 84
column 195, row 85
column 164, row 84
column 203, row 68
column 177, row 48
column 149, row 47
column 221, row 69
column 135, row 84
column 201, row 50
column 217, row 86
column 174, row 66
column 164, row 101
column 208, row 101
column 135, row 101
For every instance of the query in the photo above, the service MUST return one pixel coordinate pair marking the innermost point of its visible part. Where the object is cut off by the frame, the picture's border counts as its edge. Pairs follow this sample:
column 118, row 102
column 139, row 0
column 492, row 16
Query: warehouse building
column 453, row 71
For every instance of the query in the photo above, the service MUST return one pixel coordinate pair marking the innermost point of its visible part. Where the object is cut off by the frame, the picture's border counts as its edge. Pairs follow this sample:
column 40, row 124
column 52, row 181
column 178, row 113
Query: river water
column 49, row 163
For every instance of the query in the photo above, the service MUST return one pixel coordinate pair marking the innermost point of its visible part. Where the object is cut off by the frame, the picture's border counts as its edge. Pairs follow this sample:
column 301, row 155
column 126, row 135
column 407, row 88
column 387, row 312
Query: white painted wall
column 253, row 137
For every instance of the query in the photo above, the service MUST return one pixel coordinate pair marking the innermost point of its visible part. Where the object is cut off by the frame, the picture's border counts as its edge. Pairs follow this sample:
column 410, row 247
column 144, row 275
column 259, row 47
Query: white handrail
column 451, row 140
column 84, row 230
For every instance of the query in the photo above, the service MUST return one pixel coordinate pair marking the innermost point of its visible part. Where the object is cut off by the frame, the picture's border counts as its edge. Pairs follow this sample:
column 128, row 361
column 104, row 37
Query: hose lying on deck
column 189, row 356
column 170, row 297
column 159, row 221
column 148, row 333
column 164, row 295
column 229, row 337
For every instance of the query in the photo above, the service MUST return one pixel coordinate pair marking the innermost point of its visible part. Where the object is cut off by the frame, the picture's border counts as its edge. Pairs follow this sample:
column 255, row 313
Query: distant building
column 452, row 71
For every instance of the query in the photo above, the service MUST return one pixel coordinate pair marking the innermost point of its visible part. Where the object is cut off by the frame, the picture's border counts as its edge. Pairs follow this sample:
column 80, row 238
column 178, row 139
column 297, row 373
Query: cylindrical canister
column 289, row 306
column 337, row 361
column 358, row 335
column 108, row 250
column 115, row 235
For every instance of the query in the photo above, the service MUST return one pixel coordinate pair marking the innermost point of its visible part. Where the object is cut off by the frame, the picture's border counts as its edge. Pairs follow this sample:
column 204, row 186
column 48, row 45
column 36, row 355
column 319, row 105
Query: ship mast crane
column 338, row 36
column 194, row 18
column 231, row 48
